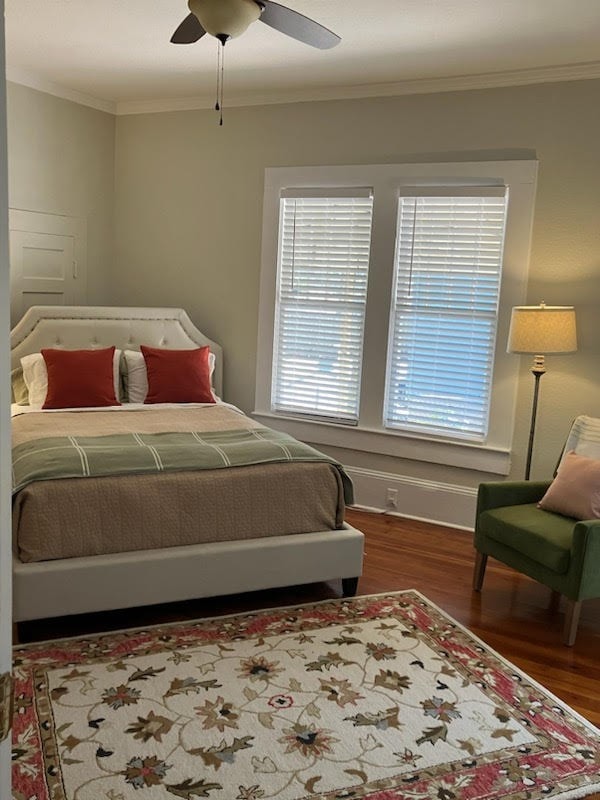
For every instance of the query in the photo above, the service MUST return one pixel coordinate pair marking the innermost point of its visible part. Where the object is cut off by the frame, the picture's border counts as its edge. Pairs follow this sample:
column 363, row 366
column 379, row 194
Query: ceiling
column 116, row 54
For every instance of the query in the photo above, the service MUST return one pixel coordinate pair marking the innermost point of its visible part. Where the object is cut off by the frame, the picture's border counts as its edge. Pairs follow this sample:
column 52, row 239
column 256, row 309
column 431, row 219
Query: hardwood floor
column 513, row 614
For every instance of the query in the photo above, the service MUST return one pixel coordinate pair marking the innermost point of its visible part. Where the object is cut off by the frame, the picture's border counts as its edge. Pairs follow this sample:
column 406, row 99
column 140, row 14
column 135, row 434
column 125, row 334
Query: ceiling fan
column 225, row 19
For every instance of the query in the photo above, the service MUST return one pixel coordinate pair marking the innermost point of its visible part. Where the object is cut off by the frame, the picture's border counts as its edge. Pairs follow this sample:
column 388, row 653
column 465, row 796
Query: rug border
column 508, row 663
column 571, row 794
column 438, row 608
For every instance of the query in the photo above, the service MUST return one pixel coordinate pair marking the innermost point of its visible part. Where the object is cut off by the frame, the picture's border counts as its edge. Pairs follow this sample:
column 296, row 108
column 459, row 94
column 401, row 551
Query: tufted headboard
column 80, row 327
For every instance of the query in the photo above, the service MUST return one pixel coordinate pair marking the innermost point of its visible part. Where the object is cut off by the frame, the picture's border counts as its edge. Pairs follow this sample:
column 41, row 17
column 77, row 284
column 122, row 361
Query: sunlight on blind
column 324, row 246
column 444, row 310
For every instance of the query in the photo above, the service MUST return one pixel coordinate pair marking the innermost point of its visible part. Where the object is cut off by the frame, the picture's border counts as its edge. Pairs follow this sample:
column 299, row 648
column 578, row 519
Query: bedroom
column 65, row 157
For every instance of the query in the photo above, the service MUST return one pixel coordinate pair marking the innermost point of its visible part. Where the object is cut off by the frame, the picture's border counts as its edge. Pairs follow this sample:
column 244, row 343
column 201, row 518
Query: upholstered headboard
column 80, row 327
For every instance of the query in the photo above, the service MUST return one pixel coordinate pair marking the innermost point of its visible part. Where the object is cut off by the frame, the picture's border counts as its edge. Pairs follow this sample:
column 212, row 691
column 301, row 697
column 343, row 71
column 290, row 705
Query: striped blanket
column 584, row 438
column 54, row 457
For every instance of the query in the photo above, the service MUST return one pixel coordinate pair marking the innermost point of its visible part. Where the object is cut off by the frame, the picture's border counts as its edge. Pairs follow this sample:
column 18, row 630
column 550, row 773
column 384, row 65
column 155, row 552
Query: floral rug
column 381, row 697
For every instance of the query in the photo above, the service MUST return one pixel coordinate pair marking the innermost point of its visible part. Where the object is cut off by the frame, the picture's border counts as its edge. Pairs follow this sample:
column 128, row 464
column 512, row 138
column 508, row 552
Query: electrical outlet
column 392, row 498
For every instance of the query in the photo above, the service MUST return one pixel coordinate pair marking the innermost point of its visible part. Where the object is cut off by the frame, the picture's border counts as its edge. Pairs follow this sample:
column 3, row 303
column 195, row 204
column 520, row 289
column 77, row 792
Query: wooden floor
column 513, row 614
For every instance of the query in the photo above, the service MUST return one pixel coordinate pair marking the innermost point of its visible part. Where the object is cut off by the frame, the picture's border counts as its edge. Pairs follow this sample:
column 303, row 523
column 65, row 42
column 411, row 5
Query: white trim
column 453, row 83
column 33, row 81
column 5, row 470
column 493, row 456
column 391, row 443
column 427, row 501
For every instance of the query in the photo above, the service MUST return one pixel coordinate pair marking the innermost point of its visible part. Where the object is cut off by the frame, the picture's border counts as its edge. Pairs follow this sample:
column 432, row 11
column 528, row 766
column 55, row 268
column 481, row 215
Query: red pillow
column 177, row 376
column 80, row 378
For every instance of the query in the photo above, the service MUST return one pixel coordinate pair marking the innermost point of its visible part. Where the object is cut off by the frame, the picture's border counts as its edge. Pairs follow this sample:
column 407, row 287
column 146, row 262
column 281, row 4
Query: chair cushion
column 540, row 535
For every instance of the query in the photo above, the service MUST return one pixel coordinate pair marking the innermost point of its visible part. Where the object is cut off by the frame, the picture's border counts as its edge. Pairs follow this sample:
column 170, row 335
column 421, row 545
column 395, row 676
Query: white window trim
column 387, row 180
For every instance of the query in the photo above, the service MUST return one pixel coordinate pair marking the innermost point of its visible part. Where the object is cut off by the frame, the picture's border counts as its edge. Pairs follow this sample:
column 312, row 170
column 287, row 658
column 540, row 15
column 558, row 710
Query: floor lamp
column 539, row 331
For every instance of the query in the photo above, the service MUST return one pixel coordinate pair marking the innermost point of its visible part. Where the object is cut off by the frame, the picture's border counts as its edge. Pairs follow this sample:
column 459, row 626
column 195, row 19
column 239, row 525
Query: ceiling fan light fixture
column 225, row 18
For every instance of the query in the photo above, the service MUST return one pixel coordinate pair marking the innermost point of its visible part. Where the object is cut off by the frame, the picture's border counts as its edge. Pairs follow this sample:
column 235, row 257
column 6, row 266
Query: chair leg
column 571, row 621
column 479, row 571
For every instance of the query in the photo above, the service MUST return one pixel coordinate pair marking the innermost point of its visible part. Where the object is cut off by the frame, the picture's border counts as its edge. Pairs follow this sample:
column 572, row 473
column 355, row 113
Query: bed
column 138, row 564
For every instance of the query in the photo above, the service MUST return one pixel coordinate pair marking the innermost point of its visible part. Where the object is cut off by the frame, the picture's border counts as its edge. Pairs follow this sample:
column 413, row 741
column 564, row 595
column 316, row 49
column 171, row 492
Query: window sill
column 465, row 455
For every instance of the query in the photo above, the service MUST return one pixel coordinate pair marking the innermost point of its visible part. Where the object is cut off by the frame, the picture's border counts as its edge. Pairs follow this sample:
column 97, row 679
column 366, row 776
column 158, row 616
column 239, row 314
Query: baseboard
column 431, row 501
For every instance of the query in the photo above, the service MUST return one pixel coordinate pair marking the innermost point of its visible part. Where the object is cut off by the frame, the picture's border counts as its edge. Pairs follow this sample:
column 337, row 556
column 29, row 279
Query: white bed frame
column 123, row 580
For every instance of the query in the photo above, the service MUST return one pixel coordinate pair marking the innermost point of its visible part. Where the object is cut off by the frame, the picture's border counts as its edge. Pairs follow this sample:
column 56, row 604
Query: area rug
column 382, row 697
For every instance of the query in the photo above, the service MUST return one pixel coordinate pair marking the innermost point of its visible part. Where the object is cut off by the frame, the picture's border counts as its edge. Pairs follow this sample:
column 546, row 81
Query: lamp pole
column 537, row 371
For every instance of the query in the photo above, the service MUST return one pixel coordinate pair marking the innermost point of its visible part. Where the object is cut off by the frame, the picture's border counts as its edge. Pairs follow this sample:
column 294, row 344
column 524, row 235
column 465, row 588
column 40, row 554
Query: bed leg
column 349, row 586
column 15, row 633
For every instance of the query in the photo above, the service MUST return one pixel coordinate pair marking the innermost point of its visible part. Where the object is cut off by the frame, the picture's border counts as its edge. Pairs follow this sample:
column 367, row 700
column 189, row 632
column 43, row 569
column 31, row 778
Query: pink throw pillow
column 575, row 492
column 178, row 376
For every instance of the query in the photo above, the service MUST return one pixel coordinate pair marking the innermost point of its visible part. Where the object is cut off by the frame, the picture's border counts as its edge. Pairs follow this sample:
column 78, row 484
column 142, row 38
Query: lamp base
column 537, row 370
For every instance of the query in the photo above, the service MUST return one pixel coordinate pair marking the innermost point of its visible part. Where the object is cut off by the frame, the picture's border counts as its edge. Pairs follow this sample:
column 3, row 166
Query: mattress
column 71, row 517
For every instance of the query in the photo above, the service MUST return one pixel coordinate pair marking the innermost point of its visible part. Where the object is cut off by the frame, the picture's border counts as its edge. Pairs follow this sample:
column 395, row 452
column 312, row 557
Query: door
column 43, row 272
column 47, row 261
column 5, row 535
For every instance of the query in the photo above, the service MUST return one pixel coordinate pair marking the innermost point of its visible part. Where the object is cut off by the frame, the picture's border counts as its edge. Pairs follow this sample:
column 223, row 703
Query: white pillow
column 35, row 376
column 137, row 377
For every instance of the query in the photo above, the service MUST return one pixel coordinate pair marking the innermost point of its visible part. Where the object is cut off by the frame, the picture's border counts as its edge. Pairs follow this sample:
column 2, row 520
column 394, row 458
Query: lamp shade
column 542, row 329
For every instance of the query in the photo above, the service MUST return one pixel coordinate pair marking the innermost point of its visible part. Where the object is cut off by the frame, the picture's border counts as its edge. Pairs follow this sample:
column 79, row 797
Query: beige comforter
column 78, row 517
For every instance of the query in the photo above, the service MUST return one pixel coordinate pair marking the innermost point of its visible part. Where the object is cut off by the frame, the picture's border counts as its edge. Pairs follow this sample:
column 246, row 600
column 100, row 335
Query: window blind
column 444, row 308
column 324, row 244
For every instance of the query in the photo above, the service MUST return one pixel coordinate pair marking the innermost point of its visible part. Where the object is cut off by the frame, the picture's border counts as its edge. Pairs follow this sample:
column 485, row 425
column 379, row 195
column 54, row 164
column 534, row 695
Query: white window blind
column 448, row 266
column 324, row 244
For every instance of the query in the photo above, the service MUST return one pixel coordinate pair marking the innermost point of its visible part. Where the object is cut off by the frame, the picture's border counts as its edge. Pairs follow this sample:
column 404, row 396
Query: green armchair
column 555, row 550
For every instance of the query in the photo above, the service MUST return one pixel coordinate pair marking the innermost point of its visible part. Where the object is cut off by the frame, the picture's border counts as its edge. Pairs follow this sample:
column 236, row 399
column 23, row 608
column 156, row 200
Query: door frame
column 5, row 471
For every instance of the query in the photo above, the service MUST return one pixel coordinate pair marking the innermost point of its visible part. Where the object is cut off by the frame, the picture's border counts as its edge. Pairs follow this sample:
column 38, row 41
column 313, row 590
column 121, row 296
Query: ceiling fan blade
column 298, row 26
column 189, row 31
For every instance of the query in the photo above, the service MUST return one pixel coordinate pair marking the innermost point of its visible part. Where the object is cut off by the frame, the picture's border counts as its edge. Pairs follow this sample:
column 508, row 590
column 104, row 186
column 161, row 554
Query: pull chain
column 220, row 74
column 218, row 104
column 222, row 81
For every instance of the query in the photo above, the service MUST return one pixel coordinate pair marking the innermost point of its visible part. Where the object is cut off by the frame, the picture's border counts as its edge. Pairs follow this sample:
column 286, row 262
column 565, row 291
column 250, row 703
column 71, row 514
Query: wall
column 61, row 161
column 188, row 220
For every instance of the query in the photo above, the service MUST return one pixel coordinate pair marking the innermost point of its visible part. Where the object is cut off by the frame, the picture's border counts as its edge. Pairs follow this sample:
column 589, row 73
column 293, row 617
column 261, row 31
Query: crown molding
column 489, row 80
column 33, row 81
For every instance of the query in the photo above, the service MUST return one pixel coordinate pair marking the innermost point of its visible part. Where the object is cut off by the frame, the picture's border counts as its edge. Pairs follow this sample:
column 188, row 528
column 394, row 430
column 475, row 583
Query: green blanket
column 117, row 454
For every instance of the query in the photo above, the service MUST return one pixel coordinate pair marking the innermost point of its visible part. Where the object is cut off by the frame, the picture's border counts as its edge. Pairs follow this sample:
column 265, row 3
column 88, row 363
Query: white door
column 47, row 260
column 5, row 535
column 43, row 272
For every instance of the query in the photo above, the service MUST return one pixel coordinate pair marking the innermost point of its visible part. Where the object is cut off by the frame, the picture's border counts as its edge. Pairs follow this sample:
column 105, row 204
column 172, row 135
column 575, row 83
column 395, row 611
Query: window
column 445, row 304
column 321, row 300
column 384, row 311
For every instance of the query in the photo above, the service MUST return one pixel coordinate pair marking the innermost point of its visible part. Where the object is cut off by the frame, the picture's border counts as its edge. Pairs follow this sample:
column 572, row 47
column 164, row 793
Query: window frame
column 386, row 182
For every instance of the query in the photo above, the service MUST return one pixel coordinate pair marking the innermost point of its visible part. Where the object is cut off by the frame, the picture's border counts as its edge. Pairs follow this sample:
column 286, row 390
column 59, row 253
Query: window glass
column 323, row 265
column 448, row 268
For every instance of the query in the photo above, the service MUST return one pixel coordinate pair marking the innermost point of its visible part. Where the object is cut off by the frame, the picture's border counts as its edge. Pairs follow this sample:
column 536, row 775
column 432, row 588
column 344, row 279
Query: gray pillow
column 20, row 395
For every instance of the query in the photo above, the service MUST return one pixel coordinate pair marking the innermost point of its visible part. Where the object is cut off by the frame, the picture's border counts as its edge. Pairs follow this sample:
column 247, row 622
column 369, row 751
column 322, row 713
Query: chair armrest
column 586, row 556
column 509, row 493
